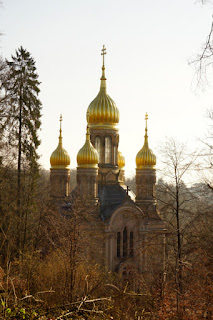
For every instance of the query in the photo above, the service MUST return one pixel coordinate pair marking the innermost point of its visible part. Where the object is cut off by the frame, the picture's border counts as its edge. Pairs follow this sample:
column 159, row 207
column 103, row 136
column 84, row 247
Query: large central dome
column 87, row 156
column 102, row 110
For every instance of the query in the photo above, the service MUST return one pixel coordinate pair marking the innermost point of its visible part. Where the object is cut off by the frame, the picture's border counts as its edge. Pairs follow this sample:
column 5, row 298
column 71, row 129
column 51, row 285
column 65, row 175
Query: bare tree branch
column 205, row 59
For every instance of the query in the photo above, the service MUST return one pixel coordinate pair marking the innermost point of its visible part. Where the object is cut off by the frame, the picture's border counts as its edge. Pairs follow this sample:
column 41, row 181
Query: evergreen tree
column 3, row 97
column 21, row 122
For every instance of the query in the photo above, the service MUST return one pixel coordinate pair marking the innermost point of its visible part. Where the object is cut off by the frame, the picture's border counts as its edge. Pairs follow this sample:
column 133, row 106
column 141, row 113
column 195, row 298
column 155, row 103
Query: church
column 132, row 229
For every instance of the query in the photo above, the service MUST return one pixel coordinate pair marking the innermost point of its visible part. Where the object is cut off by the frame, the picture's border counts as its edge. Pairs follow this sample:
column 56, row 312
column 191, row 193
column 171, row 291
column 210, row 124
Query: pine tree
column 21, row 124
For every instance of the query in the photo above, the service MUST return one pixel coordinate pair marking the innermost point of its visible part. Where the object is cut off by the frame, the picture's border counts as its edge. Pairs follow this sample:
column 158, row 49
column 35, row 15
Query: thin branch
column 205, row 59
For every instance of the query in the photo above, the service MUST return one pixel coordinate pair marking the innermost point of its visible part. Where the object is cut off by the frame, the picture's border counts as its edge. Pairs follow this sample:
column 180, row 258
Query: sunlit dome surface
column 145, row 157
column 60, row 157
column 87, row 156
column 121, row 160
column 102, row 110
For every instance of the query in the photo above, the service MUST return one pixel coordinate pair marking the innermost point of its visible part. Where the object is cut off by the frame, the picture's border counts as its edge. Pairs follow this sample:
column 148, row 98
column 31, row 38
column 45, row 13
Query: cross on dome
column 146, row 118
column 103, row 52
column 60, row 120
column 103, row 83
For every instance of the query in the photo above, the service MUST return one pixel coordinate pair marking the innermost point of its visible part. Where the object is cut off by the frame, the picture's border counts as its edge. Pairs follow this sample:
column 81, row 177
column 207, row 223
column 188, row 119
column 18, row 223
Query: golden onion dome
column 60, row 157
column 87, row 156
column 121, row 160
column 102, row 110
column 145, row 157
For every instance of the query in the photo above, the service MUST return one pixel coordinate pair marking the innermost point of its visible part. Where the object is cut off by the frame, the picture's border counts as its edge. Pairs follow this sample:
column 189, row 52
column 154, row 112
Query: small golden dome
column 102, row 110
column 60, row 157
column 145, row 157
column 121, row 160
column 87, row 156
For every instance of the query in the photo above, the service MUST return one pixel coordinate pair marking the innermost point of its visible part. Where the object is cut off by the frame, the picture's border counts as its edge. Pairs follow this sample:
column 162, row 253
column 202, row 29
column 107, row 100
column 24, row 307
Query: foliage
column 20, row 122
column 22, row 110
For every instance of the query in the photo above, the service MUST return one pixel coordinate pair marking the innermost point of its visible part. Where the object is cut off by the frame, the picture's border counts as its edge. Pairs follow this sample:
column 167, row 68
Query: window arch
column 98, row 147
column 131, row 244
column 115, row 156
column 108, row 150
column 118, row 244
column 125, row 242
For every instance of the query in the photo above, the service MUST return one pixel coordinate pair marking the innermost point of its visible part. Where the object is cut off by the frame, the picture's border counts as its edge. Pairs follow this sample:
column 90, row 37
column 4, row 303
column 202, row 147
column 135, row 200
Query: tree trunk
column 179, row 265
column 19, row 177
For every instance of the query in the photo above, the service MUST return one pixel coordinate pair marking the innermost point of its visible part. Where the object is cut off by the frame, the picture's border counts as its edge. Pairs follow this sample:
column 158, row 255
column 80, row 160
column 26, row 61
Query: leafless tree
column 175, row 199
column 204, row 60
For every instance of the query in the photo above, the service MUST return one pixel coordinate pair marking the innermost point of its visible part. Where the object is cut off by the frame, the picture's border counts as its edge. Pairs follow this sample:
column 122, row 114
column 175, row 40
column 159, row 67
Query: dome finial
column 103, row 77
column 88, row 134
column 146, row 118
column 103, row 53
column 60, row 131
column 146, row 130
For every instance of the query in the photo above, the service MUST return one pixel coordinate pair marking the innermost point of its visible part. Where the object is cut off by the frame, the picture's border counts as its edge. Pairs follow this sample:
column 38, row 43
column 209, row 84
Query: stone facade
column 60, row 182
column 87, row 184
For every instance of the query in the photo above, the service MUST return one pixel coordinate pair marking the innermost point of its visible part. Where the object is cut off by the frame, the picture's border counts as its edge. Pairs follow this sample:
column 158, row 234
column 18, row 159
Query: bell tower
column 87, row 172
column 145, row 175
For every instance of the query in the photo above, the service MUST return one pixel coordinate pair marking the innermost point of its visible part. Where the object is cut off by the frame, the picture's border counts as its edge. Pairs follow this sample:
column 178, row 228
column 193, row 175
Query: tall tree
column 175, row 200
column 21, row 121
column 3, row 95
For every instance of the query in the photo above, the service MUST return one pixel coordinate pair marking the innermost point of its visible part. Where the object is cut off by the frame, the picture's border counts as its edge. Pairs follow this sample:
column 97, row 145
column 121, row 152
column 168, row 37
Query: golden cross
column 146, row 118
column 60, row 120
column 60, row 124
column 103, row 53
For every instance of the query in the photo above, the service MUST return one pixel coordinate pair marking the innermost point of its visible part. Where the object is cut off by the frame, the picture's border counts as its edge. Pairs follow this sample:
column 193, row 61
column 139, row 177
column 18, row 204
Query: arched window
column 125, row 242
column 131, row 244
column 98, row 148
column 118, row 244
column 108, row 150
column 115, row 158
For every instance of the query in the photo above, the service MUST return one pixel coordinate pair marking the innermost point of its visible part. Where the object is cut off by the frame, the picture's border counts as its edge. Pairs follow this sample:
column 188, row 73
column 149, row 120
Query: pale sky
column 149, row 44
